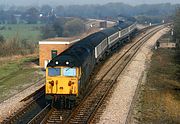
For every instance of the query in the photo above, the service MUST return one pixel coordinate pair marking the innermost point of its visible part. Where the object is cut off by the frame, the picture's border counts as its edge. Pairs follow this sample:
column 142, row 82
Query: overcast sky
column 81, row 2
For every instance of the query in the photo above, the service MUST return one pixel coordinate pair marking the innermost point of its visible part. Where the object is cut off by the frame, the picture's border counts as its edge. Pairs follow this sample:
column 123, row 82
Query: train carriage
column 67, row 74
column 112, row 34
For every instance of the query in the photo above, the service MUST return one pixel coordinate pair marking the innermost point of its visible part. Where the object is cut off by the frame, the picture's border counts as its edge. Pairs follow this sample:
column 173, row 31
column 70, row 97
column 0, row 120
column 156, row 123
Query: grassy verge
column 17, row 74
column 159, row 98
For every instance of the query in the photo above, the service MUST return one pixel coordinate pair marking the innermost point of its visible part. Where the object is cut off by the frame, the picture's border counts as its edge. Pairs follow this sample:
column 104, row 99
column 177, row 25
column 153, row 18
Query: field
column 30, row 32
column 159, row 97
column 17, row 73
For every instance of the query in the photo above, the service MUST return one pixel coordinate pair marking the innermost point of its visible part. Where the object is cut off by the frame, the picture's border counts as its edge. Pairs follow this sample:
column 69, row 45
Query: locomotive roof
column 72, row 57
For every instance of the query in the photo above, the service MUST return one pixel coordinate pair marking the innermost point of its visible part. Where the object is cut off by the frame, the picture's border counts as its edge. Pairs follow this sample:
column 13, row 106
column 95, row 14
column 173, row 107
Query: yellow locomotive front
column 62, row 81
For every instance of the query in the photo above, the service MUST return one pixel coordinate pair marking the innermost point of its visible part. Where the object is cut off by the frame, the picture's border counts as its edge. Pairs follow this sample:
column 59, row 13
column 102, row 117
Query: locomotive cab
column 61, row 80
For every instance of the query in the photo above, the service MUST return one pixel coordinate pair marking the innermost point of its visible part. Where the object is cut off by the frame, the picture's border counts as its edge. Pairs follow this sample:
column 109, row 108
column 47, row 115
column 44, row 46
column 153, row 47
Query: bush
column 2, row 40
column 61, row 27
column 48, row 32
column 2, row 28
column 17, row 47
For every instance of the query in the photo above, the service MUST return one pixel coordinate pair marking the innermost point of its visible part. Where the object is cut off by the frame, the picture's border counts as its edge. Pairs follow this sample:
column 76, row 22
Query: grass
column 30, row 32
column 17, row 74
column 159, row 100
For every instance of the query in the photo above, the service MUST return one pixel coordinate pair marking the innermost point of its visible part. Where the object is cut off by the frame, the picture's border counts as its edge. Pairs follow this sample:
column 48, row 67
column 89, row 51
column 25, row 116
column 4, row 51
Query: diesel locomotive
column 67, row 74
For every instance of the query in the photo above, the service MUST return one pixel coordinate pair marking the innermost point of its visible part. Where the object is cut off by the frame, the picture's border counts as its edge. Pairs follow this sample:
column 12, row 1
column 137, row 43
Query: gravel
column 11, row 105
column 118, row 106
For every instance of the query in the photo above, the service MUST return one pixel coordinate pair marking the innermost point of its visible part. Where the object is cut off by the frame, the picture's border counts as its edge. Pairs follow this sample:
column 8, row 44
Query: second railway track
column 86, row 110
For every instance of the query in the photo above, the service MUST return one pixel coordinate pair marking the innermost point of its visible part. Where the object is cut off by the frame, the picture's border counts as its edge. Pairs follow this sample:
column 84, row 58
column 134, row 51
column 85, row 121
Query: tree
column 32, row 15
column 45, row 10
column 2, row 16
column 58, row 26
column 48, row 31
column 53, row 29
column 74, row 27
column 59, row 10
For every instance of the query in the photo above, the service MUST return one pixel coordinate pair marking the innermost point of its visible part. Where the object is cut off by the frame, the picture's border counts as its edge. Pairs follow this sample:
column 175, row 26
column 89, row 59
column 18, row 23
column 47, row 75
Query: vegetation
column 177, row 27
column 159, row 95
column 17, row 47
column 62, row 27
column 22, row 39
column 144, row 19
column 21, row 26
column 17, row 73
column 19, row 39
column 21, row 31
column 46, row 13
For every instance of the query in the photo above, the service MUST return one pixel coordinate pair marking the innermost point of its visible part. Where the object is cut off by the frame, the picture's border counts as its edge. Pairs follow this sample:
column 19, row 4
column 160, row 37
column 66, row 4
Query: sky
column 81, row 2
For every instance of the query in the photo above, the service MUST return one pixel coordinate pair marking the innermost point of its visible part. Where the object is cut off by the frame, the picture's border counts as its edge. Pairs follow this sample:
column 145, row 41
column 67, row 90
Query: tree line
column 55, row 25
column 63, row 27
column 46, row 13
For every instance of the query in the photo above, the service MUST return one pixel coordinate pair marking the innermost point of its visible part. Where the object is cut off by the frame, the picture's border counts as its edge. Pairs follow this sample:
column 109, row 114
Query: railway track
column 28, row 97
column 29, row 110
column 51, row 115
column 85, row 111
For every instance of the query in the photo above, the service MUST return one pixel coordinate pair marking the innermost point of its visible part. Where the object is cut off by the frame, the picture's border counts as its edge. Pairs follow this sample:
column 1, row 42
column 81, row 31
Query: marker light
column 67, row 63
column 57, row 62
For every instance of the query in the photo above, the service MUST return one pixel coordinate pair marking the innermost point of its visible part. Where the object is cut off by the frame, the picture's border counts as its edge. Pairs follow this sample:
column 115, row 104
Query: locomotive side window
column 69, row 72
column 54, row 71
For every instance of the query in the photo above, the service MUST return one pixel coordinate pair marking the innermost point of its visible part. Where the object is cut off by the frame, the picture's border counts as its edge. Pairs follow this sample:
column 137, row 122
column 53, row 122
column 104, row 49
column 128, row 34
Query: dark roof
column 75, row 56
column 94, row 39
column 114, row 29
column 110, row 31
column 121, row 25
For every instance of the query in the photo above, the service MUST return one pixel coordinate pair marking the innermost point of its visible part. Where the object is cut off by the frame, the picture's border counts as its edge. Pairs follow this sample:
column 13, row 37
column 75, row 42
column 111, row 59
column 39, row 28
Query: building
column 50, row 48
column 167, row 45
